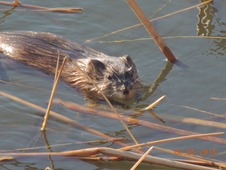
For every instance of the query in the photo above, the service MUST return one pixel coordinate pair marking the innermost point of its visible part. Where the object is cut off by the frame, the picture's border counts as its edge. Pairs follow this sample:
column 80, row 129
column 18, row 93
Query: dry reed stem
column 5, row 158
column 57, row 65
column 16, row 2
column 142, row 158
column 137, row 25
column 203, row 122
column 60, row 117
column 203, row 111
column 151, row 106
column 88, row 110
column 126, row 155
column 168, row 37
column 108, row 102
column 217, row 98
column 156, row 116
column 57, row 77
column 92, row 142
column 171, row 140
column 152, row 31
column 48, row 168
column 40, row 8
column 61, row 10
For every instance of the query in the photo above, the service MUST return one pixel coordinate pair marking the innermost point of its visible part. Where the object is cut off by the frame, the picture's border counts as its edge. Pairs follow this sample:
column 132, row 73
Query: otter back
column 88, row 70
column 41, row 49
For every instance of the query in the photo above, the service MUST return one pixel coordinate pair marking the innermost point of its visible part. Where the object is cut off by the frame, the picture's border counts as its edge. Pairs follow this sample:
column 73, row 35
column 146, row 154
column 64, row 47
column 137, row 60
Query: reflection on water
column 192, row 88
column 6, row 13
column 208, row 25
column 3, row 73
column 205, row 19
column 149, row 90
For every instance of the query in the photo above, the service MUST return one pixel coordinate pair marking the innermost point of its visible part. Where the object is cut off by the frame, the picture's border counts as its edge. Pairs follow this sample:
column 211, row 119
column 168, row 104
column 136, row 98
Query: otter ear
column 96, row 67
column 127, row 60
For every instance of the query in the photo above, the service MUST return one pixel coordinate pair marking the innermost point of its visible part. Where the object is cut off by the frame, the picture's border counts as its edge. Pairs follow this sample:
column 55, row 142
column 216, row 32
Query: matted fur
column 116, row 77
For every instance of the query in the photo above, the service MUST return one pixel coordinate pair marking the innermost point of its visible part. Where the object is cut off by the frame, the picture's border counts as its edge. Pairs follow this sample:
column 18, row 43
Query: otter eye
column 109, row 77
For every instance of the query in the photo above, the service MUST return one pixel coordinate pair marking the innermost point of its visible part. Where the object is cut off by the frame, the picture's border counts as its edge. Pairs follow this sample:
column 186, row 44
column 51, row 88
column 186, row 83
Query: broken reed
column 152, row 31
column 17, row 3
column 55, row 84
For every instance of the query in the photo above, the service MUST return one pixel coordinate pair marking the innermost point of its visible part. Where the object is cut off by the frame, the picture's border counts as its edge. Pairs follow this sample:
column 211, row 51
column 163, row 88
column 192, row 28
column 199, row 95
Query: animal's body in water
column 116, row 77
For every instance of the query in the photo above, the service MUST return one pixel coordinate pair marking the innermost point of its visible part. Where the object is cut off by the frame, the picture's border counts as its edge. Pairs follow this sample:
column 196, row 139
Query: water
column 186, row 89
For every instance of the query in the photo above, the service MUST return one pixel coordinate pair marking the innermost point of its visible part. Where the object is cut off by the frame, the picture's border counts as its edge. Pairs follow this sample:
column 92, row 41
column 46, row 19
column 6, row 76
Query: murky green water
column 188, row 90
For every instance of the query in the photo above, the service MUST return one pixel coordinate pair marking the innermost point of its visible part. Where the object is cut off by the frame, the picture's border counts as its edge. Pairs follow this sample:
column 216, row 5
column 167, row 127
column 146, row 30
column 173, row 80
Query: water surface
column 188, row 90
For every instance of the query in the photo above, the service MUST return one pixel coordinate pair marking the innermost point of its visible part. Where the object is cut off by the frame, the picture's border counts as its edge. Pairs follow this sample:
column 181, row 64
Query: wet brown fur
column 116, row 77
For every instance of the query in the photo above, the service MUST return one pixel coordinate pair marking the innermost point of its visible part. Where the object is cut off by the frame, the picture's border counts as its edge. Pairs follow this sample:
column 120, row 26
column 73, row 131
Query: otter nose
column 126, row 88
column 126, row 91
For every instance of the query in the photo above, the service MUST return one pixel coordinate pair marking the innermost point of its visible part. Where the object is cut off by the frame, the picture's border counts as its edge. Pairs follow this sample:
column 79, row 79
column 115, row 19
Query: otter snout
column 126, row 87
column 125, row 91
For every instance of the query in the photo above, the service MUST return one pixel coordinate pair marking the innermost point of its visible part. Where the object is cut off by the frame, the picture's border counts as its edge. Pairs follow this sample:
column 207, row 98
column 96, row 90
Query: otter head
column 116, row 78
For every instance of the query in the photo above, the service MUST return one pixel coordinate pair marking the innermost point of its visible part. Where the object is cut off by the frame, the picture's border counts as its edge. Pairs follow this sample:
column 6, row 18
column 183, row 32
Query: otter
column 115, row 77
